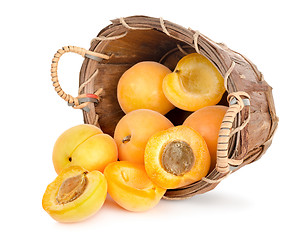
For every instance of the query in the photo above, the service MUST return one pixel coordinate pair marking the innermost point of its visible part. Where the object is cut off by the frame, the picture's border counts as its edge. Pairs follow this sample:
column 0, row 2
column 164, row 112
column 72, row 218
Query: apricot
column 176, row 157
column 130, row 186
column 75, row 194
column 133, row 131
column 84, row 145
column 140, row 87
column 207, row 122
column 195, row 83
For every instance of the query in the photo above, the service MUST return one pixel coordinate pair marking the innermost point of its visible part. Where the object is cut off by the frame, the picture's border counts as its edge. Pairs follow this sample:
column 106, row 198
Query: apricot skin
column 140, row 125
column 207, row 122
column 81, row 208
column 155, row 148
column 140, row 87
column 195, row 83
column 84, row 145
column 131, row 188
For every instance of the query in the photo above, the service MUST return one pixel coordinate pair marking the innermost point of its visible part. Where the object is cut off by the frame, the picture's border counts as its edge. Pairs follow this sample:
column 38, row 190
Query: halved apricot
column 176, row 157
column 195, row 83
column 207, row 122
column 75, row 194
column 130, row 186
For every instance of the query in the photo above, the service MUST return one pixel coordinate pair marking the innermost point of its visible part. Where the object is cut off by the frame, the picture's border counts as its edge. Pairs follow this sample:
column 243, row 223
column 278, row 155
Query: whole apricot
column 75, row 194
column 130, row 186
column 84, row 145
column 140, row 87
column 207, row 122
column 195, row 83
column 176, row 157
column 133, row 131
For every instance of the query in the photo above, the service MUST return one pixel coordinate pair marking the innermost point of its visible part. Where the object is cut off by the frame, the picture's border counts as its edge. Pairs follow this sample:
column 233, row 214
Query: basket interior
column 134, row 47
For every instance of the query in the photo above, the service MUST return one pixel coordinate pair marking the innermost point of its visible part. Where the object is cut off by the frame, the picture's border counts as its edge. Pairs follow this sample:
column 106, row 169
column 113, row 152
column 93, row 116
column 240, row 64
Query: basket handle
column 75, row 102
column 237, row 103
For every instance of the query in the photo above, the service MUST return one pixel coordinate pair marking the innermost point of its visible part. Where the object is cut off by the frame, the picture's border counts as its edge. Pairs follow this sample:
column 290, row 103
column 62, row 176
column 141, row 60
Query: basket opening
column 134, row 47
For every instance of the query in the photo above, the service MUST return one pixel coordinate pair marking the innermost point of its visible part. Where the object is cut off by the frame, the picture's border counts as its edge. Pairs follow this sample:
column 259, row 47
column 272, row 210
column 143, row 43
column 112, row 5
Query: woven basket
column 249, row 124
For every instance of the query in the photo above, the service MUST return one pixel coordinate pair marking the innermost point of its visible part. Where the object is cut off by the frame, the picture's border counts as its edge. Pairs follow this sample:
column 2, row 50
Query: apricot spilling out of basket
column 133, row 131
column 207, row 122
column 176, row 157
column 140, row 87
column 75, row 194
column 195, row 83
column 84, row 145
column 130, row 186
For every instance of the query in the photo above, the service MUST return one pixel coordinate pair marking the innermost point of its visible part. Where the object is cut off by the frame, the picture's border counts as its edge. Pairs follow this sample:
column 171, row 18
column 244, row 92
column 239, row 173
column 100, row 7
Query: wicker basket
column 249, row 124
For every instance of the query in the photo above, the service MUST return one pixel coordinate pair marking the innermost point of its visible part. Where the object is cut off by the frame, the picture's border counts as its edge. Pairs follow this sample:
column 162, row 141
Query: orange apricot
column 176, row 157
column 195, row 83
column 207, row 122
column 140, row 87
column 130, row 186
column 75, row 194
column 133, row 131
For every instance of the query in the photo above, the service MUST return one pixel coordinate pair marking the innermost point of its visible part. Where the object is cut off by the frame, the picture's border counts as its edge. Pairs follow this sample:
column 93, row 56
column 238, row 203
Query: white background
column 257, row 202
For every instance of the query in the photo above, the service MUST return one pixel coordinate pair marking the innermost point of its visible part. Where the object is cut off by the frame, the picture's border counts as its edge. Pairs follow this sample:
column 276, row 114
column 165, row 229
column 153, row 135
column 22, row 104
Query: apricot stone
column 130, row 186
column 133, row 131
column 75, row 194
column 176, row 157
column 195, row 83
column 140, row 87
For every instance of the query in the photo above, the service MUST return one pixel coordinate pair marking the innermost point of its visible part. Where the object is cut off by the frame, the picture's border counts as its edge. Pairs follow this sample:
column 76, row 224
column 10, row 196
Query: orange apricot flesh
column 140, row 87
column 207, row 122
column 195, row 83
column 75, row 194
column 130, row 186
column 176, row 157
column 133, row 131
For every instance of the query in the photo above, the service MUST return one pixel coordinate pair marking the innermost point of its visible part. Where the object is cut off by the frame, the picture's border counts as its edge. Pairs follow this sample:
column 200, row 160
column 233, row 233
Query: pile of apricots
column 147, row 154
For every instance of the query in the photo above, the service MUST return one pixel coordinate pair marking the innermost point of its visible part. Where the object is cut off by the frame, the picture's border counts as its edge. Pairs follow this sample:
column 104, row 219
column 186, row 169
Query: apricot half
column 176, row 157
column 133, row 131
column 195, row 83
column 207, row 122
column 140, row 87
column 75, row 194
column 130, row 186
column 84, row 145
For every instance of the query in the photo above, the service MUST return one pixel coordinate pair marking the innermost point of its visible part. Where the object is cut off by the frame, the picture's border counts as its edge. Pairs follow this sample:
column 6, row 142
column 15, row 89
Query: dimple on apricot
column 176, row 157
column 130, row 186
column 195, row 83
column 75, row 194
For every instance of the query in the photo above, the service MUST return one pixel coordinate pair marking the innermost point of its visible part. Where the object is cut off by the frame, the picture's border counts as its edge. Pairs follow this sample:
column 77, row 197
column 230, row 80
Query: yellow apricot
column 195, row 83
column 133, row 131
column 140, row 87
column 207, row 122
column 176, row 157
column 130, row 186
column 75, row 194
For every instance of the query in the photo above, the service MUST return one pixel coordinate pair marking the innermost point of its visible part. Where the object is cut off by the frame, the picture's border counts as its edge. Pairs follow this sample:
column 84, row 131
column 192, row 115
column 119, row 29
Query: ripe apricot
column 133, row 131
column 84, row 145
column 195, row 83
column 140, row 87
column 130, row 186
column 75, row 194
column 207, row 122
column 176, row 157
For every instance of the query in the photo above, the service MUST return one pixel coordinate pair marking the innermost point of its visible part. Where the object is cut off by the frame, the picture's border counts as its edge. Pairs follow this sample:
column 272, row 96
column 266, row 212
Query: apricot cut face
column 75, row 194
column 130, row 186
column 195, row 83
column 207, row 122
column 176, row 157
column 133, row 131
column 140, row 87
